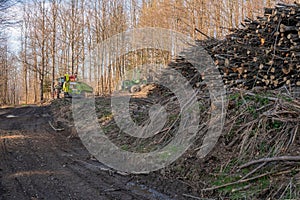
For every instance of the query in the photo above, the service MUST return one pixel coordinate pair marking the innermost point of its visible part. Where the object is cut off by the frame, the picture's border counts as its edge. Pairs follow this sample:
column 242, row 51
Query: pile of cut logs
column 265, row 52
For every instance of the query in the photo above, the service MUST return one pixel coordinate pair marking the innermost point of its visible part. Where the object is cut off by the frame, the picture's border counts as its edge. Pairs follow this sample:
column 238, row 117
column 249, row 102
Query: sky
column 14, row 31
column 14, row 39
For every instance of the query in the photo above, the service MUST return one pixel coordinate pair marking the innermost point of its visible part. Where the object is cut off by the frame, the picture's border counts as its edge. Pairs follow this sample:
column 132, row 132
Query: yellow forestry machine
column 71, row 87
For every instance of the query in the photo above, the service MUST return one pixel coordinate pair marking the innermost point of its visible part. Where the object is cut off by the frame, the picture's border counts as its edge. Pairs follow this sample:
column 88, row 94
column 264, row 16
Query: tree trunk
column 54, row 13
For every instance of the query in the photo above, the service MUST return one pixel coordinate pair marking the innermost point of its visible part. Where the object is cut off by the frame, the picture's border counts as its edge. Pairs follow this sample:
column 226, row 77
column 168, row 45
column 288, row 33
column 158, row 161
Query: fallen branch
column 253, row 171
column 274, row 159
column 237, row 182
column 193, row 197
column 112, row 190
column 56, row 129
column 269, row 98
column 99, row 167
column 249, row 179
column 196, row 29
column 241, row 188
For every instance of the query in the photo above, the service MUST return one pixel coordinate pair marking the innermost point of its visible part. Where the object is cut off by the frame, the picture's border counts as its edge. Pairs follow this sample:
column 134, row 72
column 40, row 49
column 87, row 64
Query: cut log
column 264, row 53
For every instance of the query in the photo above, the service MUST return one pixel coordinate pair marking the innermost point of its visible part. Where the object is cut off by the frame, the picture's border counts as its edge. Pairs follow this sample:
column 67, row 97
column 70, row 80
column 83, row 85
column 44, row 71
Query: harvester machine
column 71, row 87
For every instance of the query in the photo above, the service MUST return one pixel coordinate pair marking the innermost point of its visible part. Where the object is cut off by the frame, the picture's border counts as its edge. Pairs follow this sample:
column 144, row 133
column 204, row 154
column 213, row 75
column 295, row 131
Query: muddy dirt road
column 37, row 162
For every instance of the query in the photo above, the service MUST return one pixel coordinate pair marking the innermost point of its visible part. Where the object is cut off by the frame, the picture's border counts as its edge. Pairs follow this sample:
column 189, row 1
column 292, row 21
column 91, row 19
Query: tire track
column 93, row 177
column 7, row 168
column 39, row 163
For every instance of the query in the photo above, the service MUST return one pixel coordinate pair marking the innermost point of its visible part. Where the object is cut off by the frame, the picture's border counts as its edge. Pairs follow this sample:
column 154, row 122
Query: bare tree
column 5, row 21
column 63, row 37
column 53, row 43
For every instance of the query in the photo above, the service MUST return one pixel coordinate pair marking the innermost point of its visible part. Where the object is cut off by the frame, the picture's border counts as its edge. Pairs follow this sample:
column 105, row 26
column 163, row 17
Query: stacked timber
column 264, row 52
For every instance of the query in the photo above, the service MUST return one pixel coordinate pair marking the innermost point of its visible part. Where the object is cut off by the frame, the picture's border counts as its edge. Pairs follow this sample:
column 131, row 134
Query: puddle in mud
column 11, row 116
column 146, row 192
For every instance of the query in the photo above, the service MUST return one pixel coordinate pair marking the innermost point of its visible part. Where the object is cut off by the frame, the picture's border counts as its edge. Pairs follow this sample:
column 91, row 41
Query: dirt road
column 37, row 162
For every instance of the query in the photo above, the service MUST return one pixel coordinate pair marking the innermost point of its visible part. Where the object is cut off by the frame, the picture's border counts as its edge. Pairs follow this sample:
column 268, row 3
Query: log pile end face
column 265, row 52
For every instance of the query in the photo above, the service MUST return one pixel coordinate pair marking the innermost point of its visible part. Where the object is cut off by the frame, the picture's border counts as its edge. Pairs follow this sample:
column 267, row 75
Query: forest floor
column 36, row 162
column 39, row 162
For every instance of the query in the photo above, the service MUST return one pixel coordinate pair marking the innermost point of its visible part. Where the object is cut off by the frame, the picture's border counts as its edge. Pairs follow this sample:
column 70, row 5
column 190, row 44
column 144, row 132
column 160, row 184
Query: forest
column 58, row 37
column 221, row 120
